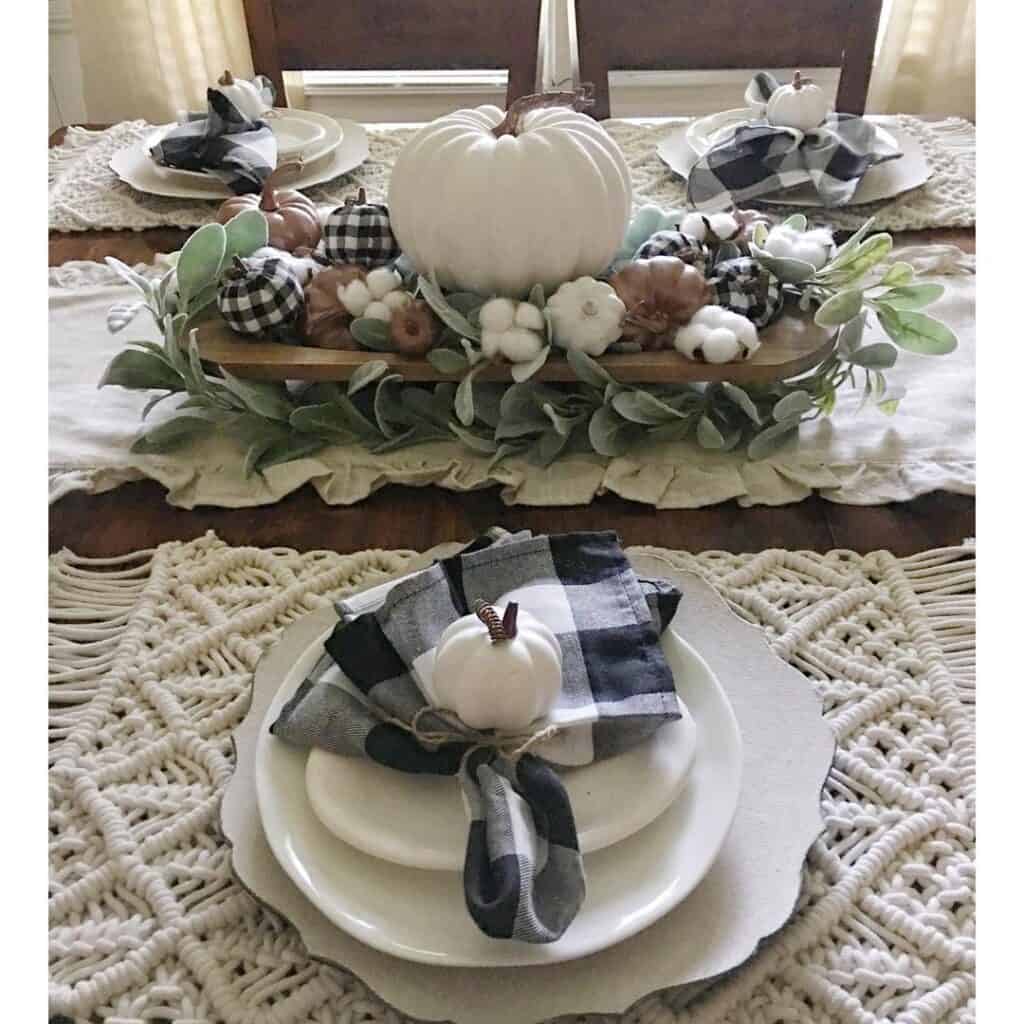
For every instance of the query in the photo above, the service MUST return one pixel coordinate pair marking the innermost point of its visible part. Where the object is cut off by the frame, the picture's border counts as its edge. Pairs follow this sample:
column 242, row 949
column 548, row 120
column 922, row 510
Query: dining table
column 135, row 515
column 840, row 626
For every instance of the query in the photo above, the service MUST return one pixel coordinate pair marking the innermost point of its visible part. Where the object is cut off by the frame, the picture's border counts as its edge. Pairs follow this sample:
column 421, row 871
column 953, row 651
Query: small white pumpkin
column 586, row 315
column 801, row 105
column 494, row 202
column 245, row 95
column 500, row 668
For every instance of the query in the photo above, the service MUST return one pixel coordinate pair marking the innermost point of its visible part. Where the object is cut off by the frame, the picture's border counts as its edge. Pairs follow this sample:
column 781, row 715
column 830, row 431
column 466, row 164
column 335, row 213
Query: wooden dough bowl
column 790, row 346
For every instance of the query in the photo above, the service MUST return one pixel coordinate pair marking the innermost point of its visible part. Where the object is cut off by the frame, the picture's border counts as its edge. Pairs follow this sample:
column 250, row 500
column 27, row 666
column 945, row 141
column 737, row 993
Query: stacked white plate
column 682, row 149
column 327, row 148
column 380, row 853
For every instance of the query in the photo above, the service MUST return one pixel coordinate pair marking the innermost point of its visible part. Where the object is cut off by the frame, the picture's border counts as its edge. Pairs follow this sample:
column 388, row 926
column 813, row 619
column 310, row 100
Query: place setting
column 397, row 794
column 787, row 147
column 237, row 144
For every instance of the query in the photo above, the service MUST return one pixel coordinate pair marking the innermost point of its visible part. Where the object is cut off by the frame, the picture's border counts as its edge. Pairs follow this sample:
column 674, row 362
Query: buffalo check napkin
column 224, row 142
column 523, row 873
column 760, row 158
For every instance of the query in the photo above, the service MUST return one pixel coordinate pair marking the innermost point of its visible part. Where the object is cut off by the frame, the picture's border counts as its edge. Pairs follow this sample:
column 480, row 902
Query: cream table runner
column 856, row 459
column 151, row 662
column 85, row 193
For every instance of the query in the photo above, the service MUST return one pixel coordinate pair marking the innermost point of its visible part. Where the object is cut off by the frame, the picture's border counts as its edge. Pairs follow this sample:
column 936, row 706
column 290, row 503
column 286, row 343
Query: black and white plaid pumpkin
column 260, row 296
column 747, row 288
column 675, row 243
column 360, row 232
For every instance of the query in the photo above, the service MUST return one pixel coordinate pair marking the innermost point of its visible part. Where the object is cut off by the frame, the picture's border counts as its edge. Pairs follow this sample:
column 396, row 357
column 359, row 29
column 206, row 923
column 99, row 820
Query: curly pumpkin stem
column 499, row 628
column 268, row 195
column 517, row 109
column 359, row 199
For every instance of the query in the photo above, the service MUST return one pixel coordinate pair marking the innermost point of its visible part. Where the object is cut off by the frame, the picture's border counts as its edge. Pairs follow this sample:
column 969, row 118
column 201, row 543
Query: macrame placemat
column 151, row 661
column 85, row 193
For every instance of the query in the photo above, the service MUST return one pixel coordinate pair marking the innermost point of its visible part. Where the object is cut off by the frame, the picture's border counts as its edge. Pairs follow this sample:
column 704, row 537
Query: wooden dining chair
column 649, row 35
column 407, row 35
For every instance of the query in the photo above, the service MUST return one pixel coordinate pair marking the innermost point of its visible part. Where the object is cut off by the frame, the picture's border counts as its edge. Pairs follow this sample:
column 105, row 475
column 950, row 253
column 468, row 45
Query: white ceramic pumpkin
column 497, row 669
column 494, row 203
column 246, row 96
column 801, row 104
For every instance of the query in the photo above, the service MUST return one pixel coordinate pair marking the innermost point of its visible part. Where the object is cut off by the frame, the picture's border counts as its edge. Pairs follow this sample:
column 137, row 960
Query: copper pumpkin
column 660, row 294
column 292, row 219
column 326, row 322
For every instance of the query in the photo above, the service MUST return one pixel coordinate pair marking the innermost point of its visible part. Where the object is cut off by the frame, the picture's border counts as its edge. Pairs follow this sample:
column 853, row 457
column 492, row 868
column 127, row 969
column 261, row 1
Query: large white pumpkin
column 497, row 213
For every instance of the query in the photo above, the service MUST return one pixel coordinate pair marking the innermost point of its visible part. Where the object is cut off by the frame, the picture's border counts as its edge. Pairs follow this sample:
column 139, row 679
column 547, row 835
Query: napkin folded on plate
column 523, row 873
column 760, row 158
column 239, row 151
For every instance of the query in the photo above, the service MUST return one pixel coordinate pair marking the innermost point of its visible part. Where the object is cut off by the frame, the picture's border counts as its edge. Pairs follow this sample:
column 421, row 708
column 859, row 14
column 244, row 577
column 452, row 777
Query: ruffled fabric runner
column 523, row 875
column 862, row 459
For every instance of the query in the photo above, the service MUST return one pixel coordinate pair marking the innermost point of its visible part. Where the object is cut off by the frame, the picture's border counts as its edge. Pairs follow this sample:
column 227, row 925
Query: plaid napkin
column 523, row 873
column 761, row 158
column 223, row 142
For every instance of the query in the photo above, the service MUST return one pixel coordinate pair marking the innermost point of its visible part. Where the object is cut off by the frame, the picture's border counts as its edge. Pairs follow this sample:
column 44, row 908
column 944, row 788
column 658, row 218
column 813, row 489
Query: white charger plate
column 883, row 181
column 420, row 821
column 134, row 166
column 421, row 915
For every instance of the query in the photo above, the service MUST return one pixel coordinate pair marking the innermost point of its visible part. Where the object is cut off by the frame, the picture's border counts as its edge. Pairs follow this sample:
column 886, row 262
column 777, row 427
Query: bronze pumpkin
column 292, row 218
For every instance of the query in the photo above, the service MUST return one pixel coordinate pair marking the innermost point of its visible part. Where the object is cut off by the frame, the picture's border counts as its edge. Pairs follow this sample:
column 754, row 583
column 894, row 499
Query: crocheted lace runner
column 152, row 657
column 85, row 193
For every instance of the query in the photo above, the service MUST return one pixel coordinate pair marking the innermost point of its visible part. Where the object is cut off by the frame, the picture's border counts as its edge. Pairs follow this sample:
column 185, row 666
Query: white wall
column 66, row 103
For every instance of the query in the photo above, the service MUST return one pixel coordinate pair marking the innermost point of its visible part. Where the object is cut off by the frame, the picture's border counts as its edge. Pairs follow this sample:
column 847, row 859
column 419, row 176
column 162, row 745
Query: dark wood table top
column 137, row 515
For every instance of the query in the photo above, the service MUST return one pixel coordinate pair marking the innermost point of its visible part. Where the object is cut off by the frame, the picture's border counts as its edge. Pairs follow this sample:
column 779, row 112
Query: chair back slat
column 414, row 35
column 650, row 35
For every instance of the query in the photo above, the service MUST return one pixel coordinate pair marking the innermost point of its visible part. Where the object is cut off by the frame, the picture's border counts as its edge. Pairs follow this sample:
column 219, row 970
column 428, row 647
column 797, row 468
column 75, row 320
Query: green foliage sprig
column 378, row 410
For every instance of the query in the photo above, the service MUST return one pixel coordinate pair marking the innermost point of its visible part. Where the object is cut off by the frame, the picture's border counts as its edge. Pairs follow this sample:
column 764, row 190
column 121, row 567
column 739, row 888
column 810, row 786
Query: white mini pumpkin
column 801, row 105
column 247, row 96
column 500, row 668
column 494, row 203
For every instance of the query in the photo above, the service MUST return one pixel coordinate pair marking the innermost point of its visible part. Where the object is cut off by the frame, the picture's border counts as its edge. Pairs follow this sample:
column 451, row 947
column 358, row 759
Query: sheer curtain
column 925, row 63
column 152, row 58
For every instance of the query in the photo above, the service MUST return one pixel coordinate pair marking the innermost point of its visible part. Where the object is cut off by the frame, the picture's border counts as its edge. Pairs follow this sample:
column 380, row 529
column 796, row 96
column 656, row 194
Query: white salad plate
column 134, row 166
column 420, row 821
column 421, row 915
column 883, row 181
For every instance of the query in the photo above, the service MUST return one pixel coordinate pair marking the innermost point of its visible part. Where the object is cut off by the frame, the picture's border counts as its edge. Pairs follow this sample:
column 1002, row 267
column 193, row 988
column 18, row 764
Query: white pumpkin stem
column 226, row 79
column 268, row 196
column 517, row 109
column 799, row 80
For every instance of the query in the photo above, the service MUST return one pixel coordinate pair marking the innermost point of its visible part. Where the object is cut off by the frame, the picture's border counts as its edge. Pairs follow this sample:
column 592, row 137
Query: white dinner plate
column 421, row 915
column 134, row 166
column 883, row 181
column 420, row 821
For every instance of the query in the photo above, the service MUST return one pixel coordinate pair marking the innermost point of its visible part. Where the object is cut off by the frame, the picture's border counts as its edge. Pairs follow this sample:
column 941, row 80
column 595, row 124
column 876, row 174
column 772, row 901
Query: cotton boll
column 529, row 316
column 498, row 315
column 520, row 345
column 381, row 281
column 490, row 343
column 720, row 346
column 378, row 311
column 717, row 335
column 812, row 247
column 694, row 225
column 355, row 297
column 724, row 225
column 396, row 299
